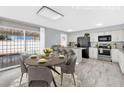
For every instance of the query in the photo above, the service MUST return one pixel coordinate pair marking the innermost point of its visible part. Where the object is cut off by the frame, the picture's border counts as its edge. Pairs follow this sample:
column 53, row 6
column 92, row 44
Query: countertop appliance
column 84, row 42
column 105, row 38
column 104, row 51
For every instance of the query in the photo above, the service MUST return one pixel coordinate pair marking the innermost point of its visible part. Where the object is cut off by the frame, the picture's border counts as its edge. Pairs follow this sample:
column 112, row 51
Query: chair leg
column 74, row 79
column 61, row 78
column 21, row 79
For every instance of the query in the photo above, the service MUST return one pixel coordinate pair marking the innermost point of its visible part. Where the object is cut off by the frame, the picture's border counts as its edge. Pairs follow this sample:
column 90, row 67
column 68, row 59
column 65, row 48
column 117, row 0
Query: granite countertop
column 77, row 47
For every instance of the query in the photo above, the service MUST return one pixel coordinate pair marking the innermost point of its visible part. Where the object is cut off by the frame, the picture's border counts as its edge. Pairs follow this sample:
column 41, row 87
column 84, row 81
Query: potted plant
column 2, row 37
column 47, row 51
column 86, row 34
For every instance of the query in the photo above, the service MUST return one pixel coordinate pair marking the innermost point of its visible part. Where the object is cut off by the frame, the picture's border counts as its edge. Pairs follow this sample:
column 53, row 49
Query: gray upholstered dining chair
column 23, row 66
column 39, row 76
column 69, row 66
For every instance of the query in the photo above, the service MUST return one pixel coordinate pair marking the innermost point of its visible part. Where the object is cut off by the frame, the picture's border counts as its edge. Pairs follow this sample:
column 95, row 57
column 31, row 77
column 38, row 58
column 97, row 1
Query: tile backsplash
column 119, row 45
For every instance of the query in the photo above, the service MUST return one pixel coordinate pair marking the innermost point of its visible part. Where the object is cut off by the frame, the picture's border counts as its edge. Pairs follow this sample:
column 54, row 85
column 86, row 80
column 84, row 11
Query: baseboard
column 8, row 68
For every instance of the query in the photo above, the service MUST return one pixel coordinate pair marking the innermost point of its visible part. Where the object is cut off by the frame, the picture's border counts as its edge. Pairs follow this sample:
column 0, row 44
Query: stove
column 104, row 51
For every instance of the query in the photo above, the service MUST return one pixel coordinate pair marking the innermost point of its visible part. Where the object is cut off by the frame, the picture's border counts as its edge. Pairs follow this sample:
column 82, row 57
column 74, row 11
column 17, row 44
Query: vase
column 47, row 54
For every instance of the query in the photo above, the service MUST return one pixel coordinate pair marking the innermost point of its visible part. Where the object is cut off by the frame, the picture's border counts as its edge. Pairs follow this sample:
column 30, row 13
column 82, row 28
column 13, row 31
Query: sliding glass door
column 14, row 42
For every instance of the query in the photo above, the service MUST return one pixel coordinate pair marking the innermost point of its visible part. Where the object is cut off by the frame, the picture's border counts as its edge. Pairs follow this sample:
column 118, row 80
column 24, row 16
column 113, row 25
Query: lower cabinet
column 121, row 61
column 93, row 53
column 115, row 55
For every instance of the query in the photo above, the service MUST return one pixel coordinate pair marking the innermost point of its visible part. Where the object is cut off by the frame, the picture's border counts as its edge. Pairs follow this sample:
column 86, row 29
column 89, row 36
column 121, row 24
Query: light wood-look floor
column 95, row 73
column 89, row 73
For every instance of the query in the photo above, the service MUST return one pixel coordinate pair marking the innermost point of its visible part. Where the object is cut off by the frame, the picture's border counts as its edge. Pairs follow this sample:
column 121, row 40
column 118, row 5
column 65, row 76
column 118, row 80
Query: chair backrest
column 71, row 52
column 55, row 47
column 59, row 50
column 64, row 51
column 40, row 74
column 23, row 66
column 70, row 65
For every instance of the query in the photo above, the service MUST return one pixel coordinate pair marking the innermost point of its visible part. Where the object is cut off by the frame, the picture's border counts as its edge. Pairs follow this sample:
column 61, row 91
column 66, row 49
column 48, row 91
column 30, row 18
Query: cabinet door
column 90, row 53
column 108, row 33
column 101, row 33
column 95, row 53
column 121, row 62
column 91, row 37
column 115, row 55
column 114, row 36
column 95, row 37
column 120, row 35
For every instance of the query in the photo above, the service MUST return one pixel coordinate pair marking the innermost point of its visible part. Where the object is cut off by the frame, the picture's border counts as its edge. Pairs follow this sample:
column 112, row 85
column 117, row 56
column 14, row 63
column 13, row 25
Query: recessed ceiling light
column 49, row 13
column 99, row 24
column 69, row 30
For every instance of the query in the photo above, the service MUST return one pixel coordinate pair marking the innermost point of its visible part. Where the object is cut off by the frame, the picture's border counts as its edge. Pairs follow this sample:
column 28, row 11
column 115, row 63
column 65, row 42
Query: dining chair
column 39, row 76
column 69, row 66
column 65, row 53
column 23, row 66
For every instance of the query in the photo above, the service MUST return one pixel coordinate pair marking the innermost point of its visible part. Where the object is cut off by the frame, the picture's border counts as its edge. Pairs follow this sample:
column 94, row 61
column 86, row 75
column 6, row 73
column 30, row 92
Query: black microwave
column 105, row 38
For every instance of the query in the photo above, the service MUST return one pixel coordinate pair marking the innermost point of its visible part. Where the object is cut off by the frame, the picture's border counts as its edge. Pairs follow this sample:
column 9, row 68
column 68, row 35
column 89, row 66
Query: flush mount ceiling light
column 49, row 13
column 69, row 30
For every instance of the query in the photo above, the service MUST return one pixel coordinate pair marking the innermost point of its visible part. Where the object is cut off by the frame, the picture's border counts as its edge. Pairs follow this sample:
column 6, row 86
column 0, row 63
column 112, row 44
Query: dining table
column 51, row 62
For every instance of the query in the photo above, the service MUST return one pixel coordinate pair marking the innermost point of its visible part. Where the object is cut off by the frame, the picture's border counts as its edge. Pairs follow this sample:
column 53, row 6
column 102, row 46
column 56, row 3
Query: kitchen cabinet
column 121, row 61
column 115, row 55
column 91, row 37
column 93, row 53
column 108, row 33
column 100, row 33
column 94, row 37
column 104, row 33
column 118, row 35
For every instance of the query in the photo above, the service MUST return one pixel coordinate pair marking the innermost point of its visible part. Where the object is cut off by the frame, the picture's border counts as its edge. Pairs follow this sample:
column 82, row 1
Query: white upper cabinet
column 94, row 37
column 100, row 33
column 104, row 33
column 91, row 37
column 118, row 35
column 108, row 33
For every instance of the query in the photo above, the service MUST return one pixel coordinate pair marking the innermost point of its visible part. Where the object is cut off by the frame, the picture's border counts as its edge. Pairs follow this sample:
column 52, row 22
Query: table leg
column 54, row 69
column 54, row 82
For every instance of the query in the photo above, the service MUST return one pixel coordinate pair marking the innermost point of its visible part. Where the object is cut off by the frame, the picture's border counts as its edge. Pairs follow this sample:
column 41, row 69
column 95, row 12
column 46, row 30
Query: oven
column 104, row 51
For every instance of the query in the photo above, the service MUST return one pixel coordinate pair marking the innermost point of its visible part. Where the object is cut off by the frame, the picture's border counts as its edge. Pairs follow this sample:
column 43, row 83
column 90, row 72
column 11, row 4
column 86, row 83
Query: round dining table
column 50, row 62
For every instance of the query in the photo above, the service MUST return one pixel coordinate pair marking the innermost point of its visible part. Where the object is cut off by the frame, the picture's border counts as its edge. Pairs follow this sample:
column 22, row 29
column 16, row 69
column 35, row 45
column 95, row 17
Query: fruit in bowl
column 42, row 61
column 61, row 56
column 43, row 55
column 33, row 56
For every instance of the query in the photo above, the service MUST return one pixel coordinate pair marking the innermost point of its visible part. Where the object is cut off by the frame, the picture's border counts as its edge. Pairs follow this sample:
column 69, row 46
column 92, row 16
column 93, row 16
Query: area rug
column 67, row 81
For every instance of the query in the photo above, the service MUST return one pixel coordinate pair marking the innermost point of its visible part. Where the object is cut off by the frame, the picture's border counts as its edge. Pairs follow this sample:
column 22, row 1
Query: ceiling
column 75, row 17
